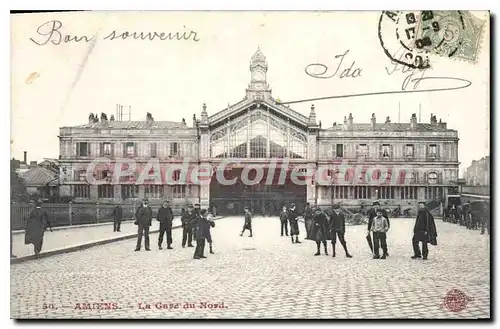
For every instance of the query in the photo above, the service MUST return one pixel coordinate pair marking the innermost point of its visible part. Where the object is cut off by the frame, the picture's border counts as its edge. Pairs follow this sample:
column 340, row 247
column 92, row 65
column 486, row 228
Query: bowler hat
column 422, row 202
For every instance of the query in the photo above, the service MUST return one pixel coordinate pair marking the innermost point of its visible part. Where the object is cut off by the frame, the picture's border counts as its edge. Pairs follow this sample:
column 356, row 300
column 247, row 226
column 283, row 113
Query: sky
column 59, row 85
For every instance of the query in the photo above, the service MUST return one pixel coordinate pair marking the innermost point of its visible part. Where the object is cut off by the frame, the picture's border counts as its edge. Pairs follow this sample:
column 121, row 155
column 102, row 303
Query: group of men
column 473, row 215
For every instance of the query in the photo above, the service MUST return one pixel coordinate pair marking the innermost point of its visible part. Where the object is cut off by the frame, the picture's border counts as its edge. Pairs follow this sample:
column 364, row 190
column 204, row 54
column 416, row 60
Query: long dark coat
column 118, row 213
column 36, row 224
column 318, row 229
column 248, row 221
column 337, row 222
column 143, row 216
column 425, row 223
column 165, row 216
column 201, row 228
column 294, row 222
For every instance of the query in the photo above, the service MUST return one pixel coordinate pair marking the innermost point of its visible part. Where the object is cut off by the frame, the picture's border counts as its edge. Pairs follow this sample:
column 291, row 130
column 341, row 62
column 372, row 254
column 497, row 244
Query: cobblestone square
column 264, row 276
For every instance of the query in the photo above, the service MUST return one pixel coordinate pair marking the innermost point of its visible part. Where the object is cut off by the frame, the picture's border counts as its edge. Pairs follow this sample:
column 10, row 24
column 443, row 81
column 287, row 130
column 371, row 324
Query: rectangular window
column 81, row 191
column 153, row 150
column 83, row 149
column 105, row 149
column 178, row 191
column 129, row 149
column 174, row 149
column 409, row 150
column 339, row 153
column 432, row 150
column 130, row 191
column 386, row 151
column 153, row 191
column 363, row 150
column 105, row 191
column 82, row 175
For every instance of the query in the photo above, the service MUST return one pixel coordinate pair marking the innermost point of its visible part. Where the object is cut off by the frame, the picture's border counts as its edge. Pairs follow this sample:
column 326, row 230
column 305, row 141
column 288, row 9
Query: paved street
column 265, row 276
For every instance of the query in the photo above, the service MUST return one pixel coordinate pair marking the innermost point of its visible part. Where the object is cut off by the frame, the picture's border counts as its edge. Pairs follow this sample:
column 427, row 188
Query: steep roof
column 390, row 127
column 133, row 125
column 40, row 177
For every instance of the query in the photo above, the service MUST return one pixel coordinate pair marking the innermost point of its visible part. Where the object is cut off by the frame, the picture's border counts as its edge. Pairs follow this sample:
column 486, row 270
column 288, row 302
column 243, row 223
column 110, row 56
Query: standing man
column 211, row 224
column 143, row 218
column 294, row 223
column 117, row 217
column 187, row 230
column 37, row 223
column 201, row 227
column 320, row 230
column 165, row 217
column 379, row 227
column 284, row 219
column 337, row 227
column 308, row 214
column 248, row 222
column 424, row 231
column 372, row 213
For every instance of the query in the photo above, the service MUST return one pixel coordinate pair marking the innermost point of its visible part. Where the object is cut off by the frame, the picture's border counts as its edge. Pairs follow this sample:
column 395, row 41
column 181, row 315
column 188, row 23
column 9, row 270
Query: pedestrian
column 117, row 217
column 201, row 228
column 248, row 222
column 165, row 217
column 143, row 218
column 293, row 218
column 372, row 213
column 37, row 223
column 284, row 221
column 424, row 231
column 187, row 229
column 211, row 222
column 319, row 230
column 337, row 229
column 379, row 227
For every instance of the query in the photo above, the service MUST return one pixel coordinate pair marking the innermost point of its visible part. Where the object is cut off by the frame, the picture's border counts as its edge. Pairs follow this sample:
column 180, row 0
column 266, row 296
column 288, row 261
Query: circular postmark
column 456, row 300
column 410, row 37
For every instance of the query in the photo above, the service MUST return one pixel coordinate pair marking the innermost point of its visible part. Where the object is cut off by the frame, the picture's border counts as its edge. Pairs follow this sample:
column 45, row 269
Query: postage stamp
column 411, row 37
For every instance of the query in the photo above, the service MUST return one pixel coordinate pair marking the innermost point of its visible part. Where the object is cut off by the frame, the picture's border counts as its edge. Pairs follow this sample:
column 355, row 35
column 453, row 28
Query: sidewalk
column 78, row 238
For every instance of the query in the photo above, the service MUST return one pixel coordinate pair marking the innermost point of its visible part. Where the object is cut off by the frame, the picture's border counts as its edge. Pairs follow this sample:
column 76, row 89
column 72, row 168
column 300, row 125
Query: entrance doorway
column 260, row 198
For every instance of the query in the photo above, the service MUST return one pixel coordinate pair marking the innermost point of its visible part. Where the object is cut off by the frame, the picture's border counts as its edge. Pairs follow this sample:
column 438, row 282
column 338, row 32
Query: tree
column 17, row 187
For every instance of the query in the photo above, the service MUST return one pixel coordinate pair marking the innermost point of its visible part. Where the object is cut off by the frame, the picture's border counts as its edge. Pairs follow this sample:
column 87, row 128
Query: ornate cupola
column 258, row 87
column 204, row 115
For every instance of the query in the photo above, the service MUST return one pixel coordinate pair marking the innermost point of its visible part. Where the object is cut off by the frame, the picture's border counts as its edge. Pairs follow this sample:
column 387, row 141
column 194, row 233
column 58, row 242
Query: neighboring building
column 41, row 181
column 478, row 173
column 255, row 131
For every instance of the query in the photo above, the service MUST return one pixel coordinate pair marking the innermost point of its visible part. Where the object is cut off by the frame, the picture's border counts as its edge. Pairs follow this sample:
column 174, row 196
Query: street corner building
column 354, row 163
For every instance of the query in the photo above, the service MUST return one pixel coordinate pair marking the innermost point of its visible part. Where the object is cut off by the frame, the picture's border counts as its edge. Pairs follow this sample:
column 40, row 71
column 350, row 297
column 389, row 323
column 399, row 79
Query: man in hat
column 319, row 230
column 36, row 224
column 187, row 230
column 424, row 231
column 165, row 217
column 143, row 218
column 294, row 223
column 117, row 217
column 379, row 227
column 337, row 229
column 372, row 213
column 201, row 231
column 248, row 222
column 284, row 221
column 211, row 222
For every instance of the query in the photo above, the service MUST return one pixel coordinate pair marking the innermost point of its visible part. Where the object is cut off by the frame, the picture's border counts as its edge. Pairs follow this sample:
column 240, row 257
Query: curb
column 84, row 246
column 69, row 227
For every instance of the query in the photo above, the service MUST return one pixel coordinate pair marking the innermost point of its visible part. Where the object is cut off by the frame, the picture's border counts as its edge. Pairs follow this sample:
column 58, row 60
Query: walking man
column 294, row 223
column 165, row 217
column 143, row 218
column 337, row 229
column 320, row 230
column 187, row 230
column 117, row 217
column 201, row 228
column 284, row 220
column 424, row 231
column 379, row 227
column 37, row 223
column 248, row 222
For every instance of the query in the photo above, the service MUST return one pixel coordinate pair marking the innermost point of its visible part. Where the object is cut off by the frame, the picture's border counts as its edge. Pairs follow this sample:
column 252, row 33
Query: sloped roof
column 133, row 125
column 391, row 127
column 40, row 177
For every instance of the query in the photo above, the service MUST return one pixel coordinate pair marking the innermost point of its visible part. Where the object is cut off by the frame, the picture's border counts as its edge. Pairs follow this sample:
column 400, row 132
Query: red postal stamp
column 456, row 300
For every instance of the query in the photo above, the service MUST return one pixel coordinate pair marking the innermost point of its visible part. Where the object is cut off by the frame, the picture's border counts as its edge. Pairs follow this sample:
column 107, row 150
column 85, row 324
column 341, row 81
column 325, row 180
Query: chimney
column 33, row 164
column 204, row 115
column 350, row 121
column 442, row 124
column 335, row 124
column 91, row 118
column 433, row 120
column 104, row 117
column 112, row 118
column 183, row 121
column 373, row 120
column 413, row 122
column 25, row 157
column 388, row 120
column 96, row 118
column 149, row 118
column 194, row 120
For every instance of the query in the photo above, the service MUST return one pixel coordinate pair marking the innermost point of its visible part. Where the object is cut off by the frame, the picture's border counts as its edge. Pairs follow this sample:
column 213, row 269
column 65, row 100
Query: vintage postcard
column 250, row 165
